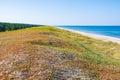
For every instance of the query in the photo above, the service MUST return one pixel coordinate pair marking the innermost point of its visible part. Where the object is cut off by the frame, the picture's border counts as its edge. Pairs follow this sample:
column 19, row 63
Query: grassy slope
column 102, row 59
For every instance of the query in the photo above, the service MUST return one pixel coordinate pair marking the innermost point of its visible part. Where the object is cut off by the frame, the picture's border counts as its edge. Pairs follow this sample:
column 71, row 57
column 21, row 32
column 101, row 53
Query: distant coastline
column 95, row 36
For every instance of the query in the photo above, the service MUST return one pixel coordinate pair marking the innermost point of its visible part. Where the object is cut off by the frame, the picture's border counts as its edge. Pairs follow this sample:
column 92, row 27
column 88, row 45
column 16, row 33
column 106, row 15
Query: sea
column 112, row 31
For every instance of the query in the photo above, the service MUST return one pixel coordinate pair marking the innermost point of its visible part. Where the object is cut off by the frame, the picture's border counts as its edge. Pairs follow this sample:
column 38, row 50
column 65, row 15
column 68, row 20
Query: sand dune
column 96, row 36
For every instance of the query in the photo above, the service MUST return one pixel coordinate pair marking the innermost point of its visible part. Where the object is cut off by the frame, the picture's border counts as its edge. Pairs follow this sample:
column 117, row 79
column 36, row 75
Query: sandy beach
column 95, row 36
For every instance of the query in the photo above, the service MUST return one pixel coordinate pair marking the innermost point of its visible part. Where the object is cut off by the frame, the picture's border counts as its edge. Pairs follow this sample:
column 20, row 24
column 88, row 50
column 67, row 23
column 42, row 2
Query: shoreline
column 95, row 36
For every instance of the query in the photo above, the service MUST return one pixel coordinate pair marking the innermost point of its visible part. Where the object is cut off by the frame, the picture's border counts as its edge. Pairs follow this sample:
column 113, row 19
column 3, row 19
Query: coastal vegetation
column 49, row 53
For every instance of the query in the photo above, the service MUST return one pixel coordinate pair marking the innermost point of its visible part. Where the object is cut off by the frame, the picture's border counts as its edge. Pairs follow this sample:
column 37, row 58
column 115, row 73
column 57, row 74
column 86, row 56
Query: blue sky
column 61, row 12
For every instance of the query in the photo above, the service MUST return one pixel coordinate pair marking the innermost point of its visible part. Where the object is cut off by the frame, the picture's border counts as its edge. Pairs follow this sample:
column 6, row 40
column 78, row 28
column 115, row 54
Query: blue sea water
column 113, row 31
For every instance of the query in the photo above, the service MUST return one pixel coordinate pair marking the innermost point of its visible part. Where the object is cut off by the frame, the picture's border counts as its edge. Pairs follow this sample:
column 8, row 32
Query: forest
column 14, row 26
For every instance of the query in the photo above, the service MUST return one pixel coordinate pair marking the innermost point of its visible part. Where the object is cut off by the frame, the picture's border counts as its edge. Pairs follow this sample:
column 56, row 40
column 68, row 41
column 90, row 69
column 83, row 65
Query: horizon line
column 61, row 24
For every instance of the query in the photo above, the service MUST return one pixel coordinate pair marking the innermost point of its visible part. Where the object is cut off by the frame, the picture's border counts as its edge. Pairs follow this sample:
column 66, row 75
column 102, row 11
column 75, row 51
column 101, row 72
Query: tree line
column 14, row 26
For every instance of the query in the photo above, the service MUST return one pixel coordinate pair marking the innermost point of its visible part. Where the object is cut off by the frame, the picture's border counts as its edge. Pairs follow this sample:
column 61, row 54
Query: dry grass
column 49, row 53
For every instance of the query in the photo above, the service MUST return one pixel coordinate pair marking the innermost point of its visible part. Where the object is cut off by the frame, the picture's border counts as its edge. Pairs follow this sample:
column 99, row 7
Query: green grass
column 98, row 54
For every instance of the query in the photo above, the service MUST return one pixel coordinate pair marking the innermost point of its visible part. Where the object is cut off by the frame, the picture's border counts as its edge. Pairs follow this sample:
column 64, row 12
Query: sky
column 61, row 12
